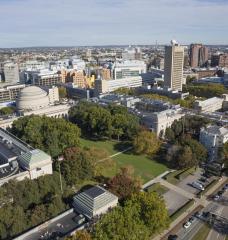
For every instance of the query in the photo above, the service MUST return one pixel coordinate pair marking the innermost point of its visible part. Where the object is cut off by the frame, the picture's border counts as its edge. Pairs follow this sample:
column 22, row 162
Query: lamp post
column 60, row 158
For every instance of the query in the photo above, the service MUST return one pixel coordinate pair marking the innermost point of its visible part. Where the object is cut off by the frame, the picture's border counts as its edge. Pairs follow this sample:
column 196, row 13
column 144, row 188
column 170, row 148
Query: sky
column 25, row 23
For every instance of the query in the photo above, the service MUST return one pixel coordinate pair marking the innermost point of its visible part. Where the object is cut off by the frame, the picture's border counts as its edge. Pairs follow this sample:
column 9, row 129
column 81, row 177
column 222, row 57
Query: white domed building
column 37, row 101
column 32, row 98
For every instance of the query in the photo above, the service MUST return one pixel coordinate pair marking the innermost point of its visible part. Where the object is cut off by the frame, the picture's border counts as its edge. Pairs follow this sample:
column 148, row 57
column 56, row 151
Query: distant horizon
column 29, row 23
column 110, row 45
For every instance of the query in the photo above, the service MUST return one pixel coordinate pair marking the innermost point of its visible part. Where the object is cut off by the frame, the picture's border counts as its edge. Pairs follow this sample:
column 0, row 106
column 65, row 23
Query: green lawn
column 157, row 187
column 143, row 166
column 202, row 233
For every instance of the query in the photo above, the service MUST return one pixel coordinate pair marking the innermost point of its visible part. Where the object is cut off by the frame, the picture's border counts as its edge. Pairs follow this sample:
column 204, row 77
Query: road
column 213, row 207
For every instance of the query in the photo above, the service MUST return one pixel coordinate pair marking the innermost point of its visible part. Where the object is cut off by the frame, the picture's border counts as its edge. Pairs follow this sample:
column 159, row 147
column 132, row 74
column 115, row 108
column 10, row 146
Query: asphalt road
column 214, row 207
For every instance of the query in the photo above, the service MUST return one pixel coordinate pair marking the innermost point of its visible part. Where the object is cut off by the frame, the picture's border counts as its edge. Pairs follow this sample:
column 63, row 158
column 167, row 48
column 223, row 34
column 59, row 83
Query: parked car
column 192, row 219
column 216, row 197
column 172, row 237
column 187, row 225
column 198, row 186
column 198, row 214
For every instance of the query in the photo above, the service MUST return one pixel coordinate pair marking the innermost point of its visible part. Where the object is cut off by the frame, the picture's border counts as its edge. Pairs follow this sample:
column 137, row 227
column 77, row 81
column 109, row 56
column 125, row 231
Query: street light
column 60, row 158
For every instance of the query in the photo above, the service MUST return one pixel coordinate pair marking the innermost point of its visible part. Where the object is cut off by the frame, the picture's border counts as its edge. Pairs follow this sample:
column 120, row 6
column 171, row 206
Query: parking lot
column 186, row 184
column 174, row 200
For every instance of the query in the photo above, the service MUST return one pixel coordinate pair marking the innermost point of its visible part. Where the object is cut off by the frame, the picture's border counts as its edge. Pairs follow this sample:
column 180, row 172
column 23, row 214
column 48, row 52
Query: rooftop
column 94, row 191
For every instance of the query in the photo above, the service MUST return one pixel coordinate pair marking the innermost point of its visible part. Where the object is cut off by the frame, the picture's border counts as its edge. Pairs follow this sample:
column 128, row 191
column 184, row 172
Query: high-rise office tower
column 174, row 60
column 198, row 55
column 11, row 72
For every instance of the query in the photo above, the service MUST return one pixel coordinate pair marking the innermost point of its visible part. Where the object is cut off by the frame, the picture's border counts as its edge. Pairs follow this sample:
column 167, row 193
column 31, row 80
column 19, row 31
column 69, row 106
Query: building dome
column 32, row 98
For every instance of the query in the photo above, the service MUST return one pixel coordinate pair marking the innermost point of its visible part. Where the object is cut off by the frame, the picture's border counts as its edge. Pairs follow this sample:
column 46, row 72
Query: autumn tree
column 124, row 184
column 146, row 142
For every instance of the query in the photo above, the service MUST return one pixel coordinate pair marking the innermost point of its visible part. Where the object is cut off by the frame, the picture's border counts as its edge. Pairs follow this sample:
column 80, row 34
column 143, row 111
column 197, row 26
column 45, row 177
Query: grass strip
column 181, row 210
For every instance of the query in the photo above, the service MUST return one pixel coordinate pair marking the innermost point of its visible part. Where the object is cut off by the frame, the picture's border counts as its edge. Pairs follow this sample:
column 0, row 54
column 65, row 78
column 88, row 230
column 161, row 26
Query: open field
column 144, row 167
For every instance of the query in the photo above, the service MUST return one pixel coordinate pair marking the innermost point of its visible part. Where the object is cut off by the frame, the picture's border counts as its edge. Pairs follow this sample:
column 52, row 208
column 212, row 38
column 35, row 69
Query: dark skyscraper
column 198, row 55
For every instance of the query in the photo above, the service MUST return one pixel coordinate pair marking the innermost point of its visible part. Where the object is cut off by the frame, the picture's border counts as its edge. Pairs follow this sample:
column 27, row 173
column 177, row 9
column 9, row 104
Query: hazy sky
column 102, row 22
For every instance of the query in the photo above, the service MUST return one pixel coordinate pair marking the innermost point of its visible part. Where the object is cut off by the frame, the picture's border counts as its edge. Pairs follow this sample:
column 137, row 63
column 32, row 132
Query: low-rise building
column 9, row 93
column 159, row 121
column 213, row 137
column 105, row 86
column 19, row 160
column 208, row 106
column 94, row 201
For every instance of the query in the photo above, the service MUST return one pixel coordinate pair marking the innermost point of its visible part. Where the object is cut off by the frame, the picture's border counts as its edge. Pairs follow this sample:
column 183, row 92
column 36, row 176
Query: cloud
column 99, row 22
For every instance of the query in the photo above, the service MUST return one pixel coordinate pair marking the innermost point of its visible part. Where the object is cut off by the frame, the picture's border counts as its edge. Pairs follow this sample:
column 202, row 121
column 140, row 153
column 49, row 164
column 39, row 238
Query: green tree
column 141, row 216
column 48, row 134
column 77, row 165
column 62, row 92
column 185, row 158
column 7, row 110
column 146, row 142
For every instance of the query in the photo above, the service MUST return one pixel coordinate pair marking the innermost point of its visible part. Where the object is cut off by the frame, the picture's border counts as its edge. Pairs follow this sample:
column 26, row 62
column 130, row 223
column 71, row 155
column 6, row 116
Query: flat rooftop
column 94, row 192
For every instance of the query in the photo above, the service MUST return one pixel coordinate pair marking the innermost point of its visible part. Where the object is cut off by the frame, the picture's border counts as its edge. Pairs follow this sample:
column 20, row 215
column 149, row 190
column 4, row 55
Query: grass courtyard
column 144, row 167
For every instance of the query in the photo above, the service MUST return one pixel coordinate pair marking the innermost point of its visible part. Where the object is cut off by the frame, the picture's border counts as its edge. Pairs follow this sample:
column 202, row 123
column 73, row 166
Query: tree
column 152, row 210
column 77, row 165
column 146, row 142
column 48, row 134
column 124, row 184
column 62, row 92
column 141, row 216
column 104, row 122
column 92, row 119
column 169, row 135
column 198, row 150
column 185, row 158
column 7, row 110
column 80, row 235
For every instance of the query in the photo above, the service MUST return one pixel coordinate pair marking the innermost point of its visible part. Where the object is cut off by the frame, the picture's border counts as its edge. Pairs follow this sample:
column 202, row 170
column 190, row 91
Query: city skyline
column 28, row 23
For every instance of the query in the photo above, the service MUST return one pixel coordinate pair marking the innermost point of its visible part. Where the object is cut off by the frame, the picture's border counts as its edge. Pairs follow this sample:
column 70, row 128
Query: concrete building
column 219, row 60
column 11, row 72
column 18, row 160
column 127, row 69
column 94, row 201
column 105, row 86
column 34, row 100
column 209, row 105
column 213, row 137
column 159, row 121
column 46, row 78
column 8, row 94
column 174, row 60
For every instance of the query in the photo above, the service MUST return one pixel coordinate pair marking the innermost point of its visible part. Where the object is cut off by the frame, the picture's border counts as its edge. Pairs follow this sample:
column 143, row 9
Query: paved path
column 116, row 154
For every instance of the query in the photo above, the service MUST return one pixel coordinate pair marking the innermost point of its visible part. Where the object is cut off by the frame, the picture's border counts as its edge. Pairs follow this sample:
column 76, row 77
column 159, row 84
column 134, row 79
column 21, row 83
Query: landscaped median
column 182, row 209
column 158, row 188
column 176, row 176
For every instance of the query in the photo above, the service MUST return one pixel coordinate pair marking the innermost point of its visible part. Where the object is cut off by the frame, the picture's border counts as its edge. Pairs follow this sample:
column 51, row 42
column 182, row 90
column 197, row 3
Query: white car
column 216, row 197
column 187, row 225
column 198, row 186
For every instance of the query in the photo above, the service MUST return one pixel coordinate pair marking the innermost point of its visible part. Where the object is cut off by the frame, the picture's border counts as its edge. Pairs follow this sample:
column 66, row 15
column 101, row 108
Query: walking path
column 116, row 154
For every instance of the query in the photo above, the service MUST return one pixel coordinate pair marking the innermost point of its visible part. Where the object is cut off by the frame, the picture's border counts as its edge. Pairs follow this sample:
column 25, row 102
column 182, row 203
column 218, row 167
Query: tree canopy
column 104, row 122
column 124, row 184
column 51, row 135
column 141, row 216
column 146, row 142
column 28, row 203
